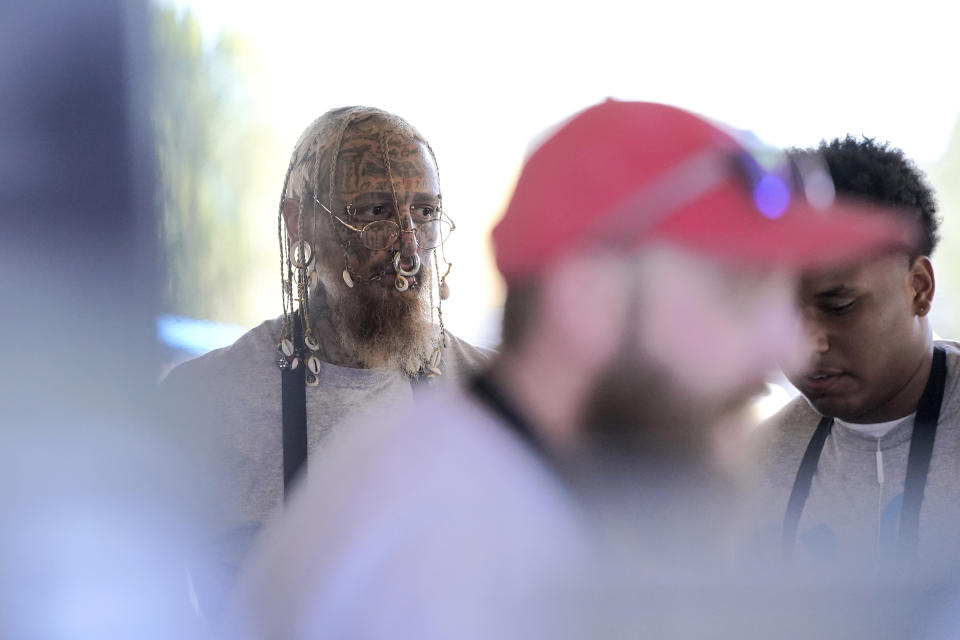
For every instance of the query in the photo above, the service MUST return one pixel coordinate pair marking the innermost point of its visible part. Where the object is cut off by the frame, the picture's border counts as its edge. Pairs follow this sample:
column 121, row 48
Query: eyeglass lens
column 383, row 233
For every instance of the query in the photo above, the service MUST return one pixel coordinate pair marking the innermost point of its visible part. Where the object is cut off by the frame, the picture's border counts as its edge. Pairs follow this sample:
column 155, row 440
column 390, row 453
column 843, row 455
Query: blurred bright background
column 238, row 82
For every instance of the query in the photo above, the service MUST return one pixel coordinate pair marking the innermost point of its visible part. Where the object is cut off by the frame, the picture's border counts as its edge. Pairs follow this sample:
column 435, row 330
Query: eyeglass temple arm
column 337, row 218
column 322, row 205
column 346, row 224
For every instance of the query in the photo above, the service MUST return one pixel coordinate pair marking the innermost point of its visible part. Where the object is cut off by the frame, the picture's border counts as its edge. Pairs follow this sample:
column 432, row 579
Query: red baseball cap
column 628, row 173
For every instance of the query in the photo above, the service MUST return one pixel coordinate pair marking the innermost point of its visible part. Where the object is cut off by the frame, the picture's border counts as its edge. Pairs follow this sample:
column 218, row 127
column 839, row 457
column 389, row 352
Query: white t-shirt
column 876, row 429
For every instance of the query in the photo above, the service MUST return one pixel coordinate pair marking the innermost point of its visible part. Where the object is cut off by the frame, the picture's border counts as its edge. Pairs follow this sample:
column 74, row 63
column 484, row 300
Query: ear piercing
column 302, row 254
column 297, row 268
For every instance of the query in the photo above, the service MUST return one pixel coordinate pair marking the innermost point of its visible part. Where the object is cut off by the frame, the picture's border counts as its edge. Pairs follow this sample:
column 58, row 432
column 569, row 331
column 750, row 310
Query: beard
column 379, row 327
column 649, row 466
column 637, row 412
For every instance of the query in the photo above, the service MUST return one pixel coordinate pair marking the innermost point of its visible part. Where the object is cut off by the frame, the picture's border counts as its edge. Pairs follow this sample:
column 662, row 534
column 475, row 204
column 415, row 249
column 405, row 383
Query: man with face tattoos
column 864, row 466
column 361, row 226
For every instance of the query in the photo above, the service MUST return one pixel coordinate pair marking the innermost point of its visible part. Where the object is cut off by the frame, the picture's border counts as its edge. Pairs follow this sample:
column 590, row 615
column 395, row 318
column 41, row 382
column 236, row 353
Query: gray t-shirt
column 229, row 403
column 853, row 510
column 446, row 524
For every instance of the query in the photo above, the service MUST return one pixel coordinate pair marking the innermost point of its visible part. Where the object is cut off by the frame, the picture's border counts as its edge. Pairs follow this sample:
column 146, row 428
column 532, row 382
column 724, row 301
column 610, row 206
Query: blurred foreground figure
column 96, row 513
column 846, row 468
column 648, row 258
column 360, row 224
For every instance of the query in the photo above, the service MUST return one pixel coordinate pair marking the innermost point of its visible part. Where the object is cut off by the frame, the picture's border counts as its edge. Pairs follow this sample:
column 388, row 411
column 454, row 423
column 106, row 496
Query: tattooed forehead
column 374, row 123
column 361, row 166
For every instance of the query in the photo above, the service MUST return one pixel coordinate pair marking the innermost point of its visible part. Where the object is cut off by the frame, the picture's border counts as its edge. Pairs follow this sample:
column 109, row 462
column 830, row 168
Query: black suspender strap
column 921, row 450
column 294, row 396
column 294, row 401
column 801, row 485
column 487, row 392
column 918, row 463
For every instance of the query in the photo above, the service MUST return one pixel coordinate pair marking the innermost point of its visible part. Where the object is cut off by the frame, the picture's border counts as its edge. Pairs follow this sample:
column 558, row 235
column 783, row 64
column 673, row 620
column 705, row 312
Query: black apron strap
column 294, row 396
column 802, row 483
column 921, row 450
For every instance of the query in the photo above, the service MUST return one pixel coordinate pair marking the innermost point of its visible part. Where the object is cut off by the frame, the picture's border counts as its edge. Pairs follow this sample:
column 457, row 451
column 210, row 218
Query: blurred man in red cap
column 650, row 262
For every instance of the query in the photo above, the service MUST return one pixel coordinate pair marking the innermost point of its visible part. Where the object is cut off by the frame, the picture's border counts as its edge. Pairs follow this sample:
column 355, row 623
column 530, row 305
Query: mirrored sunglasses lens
column 379, row 235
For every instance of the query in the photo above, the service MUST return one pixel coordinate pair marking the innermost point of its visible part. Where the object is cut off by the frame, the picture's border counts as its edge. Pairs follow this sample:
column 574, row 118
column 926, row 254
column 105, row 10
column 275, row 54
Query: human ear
column 922, row 284
column 290, row 209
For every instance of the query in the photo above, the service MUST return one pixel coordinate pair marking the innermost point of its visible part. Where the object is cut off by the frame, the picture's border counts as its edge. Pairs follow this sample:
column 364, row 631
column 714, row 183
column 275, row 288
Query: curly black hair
column 880, row 173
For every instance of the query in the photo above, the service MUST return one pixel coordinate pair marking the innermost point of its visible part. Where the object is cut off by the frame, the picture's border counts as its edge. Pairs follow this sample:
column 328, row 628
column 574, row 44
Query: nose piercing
column 401, row 283
column 412, row 271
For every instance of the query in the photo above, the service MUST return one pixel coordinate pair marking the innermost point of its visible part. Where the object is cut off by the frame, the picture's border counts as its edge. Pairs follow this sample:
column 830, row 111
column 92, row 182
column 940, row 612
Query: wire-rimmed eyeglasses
column 431, row 226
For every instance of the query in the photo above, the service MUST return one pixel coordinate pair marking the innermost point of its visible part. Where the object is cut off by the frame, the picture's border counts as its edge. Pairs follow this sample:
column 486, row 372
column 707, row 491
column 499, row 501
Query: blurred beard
column 649, row 480
column 636, row 413
column 649, row 467
column 380, row 327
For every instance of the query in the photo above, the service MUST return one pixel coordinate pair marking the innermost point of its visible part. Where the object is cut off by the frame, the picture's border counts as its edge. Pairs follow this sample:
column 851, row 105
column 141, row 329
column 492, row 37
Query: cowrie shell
column 444, row 290
column 347, row 278
column 313, row 364
column 311, row 342
column 294, row 363
column 312, row 380
column 287, row 347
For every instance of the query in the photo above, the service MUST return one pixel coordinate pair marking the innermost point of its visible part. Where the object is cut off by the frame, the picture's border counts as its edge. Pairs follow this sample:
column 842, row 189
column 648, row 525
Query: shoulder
column 445, row 453
column 784, row 436
column 464, row 359
column 796, row 412
column 411, row 483
column 952, row 350
column 950, row 409
column 777, row 446
column 439, row 503
column 445, row 429
column 254, row 349
column 232, row 382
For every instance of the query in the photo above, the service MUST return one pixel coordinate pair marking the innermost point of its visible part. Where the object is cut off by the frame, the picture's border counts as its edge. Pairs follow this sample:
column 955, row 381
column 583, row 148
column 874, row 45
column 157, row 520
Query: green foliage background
column 211, row 141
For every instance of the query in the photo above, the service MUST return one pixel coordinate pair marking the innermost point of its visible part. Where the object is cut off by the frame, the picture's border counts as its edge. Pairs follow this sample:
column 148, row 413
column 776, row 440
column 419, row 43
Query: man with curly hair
column 864, row 464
